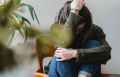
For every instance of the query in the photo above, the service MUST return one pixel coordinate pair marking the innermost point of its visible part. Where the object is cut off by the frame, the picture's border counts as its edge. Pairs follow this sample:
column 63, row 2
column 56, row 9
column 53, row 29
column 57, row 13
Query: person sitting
column 89, row 48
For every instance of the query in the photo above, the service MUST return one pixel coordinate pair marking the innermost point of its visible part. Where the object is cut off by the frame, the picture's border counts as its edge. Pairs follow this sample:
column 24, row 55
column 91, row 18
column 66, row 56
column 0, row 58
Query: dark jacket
column 98, row 55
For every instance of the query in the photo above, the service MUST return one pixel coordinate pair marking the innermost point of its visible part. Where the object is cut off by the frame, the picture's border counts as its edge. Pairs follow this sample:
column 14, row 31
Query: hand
column 77, row 4
column 65, row 54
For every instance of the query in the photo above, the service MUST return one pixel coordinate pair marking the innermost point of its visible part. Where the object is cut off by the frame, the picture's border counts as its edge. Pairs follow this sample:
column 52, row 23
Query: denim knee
column 53, row 68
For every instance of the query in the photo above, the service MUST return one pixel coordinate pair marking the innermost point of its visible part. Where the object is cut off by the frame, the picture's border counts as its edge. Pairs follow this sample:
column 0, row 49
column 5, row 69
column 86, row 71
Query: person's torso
column 80, row 39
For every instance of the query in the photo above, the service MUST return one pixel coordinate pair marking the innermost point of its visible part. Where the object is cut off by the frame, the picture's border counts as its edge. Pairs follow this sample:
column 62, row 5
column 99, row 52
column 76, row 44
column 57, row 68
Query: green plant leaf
column 21, row 31
column 12, row 36
column 17, row 2
column 31, row 10
column 23, row 19
column 36, row 17
column 12, row 5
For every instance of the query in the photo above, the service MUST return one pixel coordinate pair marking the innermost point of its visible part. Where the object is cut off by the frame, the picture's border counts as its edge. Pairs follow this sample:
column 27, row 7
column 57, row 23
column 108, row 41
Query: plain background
column 105, row 14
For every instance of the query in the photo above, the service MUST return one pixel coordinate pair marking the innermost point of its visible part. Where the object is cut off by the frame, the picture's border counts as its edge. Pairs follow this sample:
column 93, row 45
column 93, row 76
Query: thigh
column 91, row 44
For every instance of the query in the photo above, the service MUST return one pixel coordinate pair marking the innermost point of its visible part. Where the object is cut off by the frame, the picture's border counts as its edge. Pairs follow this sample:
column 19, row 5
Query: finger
column 82, row 2
column 59, row 48
column 58, row 51
column 58, row 55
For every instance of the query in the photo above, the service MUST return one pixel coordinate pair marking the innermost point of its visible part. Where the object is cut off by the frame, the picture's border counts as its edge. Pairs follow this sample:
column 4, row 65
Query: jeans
column 72, row 68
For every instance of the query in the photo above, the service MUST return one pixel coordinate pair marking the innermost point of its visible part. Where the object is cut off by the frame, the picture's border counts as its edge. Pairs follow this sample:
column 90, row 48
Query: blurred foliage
column 9, row 17
column 59, row 35
column 10, row 21
column 7, row 59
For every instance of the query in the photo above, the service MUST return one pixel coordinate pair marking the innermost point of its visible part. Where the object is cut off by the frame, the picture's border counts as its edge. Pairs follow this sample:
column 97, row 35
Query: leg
column 67, row 68
column 91, row 70
column 53, row 68
column 62, row 69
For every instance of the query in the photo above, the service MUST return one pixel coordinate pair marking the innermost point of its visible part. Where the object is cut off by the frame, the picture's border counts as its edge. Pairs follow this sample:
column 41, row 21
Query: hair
column 65, row 11
column 86, row 20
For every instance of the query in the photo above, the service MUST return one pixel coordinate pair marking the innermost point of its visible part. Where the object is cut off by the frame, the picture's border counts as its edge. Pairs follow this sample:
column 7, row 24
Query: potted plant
column 46, row 41
column 11, row 20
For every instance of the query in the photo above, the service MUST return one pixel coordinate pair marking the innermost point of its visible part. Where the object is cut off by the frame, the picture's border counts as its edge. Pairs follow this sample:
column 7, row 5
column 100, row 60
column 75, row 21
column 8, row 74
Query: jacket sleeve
column 98, row 55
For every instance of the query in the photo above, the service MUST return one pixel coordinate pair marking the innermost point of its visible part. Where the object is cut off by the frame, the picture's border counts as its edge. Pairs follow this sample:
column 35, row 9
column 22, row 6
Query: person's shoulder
column 98, row 31
column 96, row 28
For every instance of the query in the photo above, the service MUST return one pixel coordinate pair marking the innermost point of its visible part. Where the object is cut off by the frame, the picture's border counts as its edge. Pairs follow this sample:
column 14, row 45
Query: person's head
column 65, row 11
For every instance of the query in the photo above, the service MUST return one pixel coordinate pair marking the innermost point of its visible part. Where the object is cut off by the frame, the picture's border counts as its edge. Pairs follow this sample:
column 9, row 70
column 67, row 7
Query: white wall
column 105, row 13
